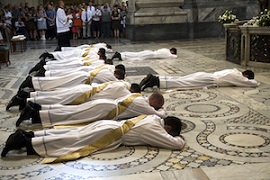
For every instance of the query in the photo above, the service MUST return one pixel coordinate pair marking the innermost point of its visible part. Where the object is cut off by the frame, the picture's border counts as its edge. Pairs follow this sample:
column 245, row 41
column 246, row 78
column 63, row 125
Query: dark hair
column 175, row 124
column 121, row 67
column 102, row 56
column 120, row 74
column 108, row 46
column 174, row 50
column 249, row 74
column 102, row 51
column 109, row 61
column 135, row 88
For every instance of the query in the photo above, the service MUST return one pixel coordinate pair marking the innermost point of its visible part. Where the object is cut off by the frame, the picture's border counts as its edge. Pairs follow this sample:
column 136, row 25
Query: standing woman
column 62, row 24
column 41, row 22
column 115, row 15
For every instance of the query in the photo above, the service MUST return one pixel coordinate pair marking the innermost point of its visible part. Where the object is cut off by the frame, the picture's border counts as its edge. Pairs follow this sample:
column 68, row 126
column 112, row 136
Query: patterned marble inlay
column 203, row 137
column 223, row 126
column 244, row 140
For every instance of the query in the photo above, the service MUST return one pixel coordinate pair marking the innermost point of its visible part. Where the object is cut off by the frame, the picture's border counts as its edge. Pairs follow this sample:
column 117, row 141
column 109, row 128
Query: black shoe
column 27, row 83
column 41, row 72
column 117, row 55
column 15, row 141
column 154, row 81
column 146, row 79
column 29, row 134
column 30, row 111
column 19, row 100
column 46, row 55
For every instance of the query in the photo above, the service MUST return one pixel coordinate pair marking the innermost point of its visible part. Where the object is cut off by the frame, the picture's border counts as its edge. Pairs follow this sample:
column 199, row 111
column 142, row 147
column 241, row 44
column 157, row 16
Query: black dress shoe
column 46, row 55
column 154, row 81
column 117, row 55
column 30, row 111
column 19, row 99
column 40, row 72
column 146, row 79
column 15, row 141
column 27, row 83
column 16, row 101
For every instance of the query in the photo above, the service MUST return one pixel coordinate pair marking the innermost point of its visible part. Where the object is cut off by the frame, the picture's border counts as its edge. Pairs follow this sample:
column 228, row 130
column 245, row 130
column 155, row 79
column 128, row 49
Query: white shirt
column 61, row 21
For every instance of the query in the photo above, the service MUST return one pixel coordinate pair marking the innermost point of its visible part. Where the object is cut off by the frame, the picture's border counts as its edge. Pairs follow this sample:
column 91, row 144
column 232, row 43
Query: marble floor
column 226, row 128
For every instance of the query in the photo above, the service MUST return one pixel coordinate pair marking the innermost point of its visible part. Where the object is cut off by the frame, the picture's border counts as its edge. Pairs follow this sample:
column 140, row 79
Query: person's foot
column 46, row 55
column 117, row 55
column 154, row 81
column 146, row 79
column 41, row 72
column 15, row 141
column 30, row 111
column 18, row 100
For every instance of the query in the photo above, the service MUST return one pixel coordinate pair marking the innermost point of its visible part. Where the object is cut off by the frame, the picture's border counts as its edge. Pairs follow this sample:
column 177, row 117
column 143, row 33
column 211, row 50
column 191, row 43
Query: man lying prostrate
column 98, row 75
column 81, row 93
column 71, row 53
column 227, row 77
column 58, row 145
column 132, row 105
column 93, row 60
column 147, row 54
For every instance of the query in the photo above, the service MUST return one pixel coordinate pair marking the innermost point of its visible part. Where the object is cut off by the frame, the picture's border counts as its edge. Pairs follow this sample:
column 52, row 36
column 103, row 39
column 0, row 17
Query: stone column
column 156, row 19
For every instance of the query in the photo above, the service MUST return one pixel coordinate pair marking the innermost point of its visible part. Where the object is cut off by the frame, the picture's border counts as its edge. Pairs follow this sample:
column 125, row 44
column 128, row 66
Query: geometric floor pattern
column 227, row 129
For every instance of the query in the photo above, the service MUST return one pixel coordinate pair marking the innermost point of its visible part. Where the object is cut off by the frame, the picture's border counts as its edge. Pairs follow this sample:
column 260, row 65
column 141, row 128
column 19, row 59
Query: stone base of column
column 174, row 31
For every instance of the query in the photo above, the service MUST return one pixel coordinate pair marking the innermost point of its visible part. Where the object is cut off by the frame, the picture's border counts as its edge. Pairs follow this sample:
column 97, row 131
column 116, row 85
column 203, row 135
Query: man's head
column 135, row 88
column 61, row 4
column 119, row 74
column 102, row 57
column 120, row 67
column 108, row 46
column 172, row 125
column 173, row 51
column 248, row 74
column 101, row 51
column 156, row 100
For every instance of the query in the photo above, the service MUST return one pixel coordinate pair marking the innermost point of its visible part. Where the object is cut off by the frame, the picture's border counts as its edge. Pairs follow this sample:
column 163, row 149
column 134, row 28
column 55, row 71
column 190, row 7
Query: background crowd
column 88, row 20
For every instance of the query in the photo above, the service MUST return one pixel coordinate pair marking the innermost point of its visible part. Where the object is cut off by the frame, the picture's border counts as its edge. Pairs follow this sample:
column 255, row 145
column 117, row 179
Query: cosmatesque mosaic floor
column 226, row 128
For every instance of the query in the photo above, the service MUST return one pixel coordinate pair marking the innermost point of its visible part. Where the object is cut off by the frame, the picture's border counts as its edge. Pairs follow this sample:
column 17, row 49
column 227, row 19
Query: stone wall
column 178, row 19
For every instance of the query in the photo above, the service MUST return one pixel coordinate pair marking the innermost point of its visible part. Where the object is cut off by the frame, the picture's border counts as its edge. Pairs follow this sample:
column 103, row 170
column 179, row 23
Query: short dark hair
column 121, row 67
column 102, row 51
column 102, row 56
column 135, row 88
column 120, row 74
column 249, row 74
column 109, row 61
column 174, row 50
column 108, row 46
column 175, row 124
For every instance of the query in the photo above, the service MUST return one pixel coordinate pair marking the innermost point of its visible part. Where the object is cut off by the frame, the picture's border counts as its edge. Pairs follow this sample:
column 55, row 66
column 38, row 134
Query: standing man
column 86, row 19
column 62, row 27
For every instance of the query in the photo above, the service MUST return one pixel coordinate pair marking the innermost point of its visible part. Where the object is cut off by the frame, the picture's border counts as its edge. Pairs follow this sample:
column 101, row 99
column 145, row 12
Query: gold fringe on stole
column 82, row 98
column 122, row 106
column 101, row 143
column 93, row 75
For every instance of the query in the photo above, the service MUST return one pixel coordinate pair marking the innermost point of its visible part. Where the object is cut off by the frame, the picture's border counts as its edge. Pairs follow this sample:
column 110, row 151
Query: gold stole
column 93, row 74
column 101, row 143
column 87, row 51
column 82, row 98
column 122, row 106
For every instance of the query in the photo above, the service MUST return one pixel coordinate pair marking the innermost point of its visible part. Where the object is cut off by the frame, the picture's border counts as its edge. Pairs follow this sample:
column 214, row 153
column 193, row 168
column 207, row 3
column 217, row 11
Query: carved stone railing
column 255, row 46
column 233, row 43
